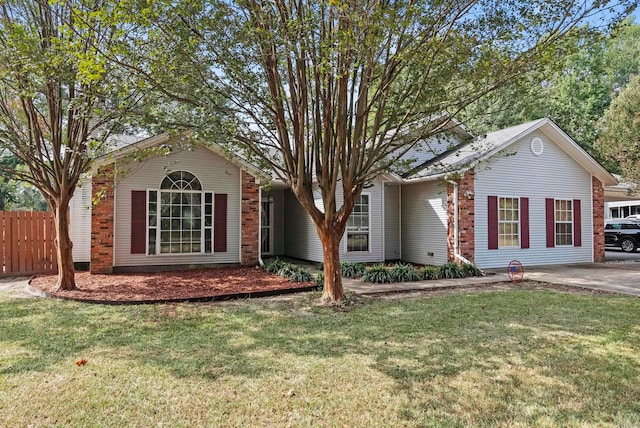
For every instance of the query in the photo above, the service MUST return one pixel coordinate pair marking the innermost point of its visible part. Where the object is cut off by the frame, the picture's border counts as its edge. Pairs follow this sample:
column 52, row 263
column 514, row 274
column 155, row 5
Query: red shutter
column 577, row 224
column 524, row 222
column 220, row 223
column 551, row 222
column 493, row 222
column 138, row 221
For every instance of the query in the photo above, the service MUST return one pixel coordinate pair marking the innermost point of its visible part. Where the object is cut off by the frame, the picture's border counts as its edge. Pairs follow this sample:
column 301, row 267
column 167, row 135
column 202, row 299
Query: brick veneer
column 102, row 222
column 598, row 220
column 466, row 218
column 250, row 220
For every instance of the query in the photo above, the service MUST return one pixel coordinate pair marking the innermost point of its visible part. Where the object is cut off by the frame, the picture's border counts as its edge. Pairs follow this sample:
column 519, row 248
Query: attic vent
column 537, row 146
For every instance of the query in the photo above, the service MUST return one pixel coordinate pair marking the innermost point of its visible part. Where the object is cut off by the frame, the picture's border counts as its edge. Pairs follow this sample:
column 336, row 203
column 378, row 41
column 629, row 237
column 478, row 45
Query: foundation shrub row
column 377, row 273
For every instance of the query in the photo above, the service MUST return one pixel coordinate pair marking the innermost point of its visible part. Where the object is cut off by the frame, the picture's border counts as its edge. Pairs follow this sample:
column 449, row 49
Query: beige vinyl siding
column 80, row 223
column 278, row 226
column 553, row 174
column 215, row 174
column 424, row 223
column 301, row 239
column 391, row 222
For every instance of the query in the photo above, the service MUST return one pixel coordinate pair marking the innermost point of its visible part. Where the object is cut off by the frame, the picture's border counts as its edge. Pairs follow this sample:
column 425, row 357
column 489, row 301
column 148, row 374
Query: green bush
column 451, row 270
column 274, row 265
column 320, row 266
column 318, row 280
column 429, row 273
column 300, row 275
column 377, row 273
column 352, row 269
column 287, row 270
column 469, row 269
column 401, row 272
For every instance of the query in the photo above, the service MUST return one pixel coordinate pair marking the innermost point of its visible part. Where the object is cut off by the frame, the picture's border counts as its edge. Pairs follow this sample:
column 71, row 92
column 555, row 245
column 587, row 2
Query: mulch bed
column 186, row 285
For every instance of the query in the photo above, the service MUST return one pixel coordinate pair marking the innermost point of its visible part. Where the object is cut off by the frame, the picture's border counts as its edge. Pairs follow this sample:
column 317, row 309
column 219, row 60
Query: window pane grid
column 564, row 222
column 176, row 215
column 508, row 222
column 181, row 223
column 358, row 225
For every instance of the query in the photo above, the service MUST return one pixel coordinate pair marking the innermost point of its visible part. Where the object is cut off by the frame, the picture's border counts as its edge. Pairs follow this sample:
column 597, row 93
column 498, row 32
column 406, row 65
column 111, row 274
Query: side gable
column 468, row 156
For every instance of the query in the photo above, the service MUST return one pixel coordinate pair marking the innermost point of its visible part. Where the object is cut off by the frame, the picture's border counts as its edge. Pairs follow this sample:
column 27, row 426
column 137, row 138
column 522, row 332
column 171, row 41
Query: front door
column 266, row 226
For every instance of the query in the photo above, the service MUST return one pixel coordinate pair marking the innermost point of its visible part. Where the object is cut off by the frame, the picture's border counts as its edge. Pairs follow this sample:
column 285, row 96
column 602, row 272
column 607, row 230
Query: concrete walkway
column 621, row 278
column 18, row 287
column 359, row 287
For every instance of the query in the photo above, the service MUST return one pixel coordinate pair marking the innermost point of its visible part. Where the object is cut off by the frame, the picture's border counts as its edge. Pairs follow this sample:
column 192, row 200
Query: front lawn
column 514, row 358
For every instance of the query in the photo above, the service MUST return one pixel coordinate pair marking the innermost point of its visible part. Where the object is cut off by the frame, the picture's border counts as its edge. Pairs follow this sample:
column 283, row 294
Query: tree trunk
column 332, row 291
column 64, row 249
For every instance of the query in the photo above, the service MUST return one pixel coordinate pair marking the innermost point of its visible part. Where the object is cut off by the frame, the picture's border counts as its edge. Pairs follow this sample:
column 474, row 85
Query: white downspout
column 456, row 241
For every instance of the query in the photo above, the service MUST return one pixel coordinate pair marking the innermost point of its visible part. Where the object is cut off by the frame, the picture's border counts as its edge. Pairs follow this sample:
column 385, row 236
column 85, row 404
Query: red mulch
column 197, row 284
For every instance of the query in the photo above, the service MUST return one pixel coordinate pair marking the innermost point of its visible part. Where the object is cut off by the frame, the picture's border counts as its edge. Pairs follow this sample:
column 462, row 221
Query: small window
column 508, row 222
column 564, row 222
column 358, row 226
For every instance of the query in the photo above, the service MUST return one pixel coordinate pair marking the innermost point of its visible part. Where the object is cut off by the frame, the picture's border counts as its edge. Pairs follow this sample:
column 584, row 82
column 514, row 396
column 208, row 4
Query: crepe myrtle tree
column 330, row 94
column 55, row 94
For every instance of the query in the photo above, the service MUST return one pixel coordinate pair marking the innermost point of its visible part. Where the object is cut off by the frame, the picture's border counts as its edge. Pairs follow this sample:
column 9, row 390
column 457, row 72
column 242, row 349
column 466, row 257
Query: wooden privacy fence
column 27, row 244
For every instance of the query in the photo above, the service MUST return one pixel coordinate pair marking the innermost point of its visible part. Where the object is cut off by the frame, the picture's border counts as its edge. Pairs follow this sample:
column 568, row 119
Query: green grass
column 516, row 358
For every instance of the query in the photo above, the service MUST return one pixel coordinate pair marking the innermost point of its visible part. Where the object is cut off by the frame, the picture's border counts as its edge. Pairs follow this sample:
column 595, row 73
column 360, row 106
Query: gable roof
column 130, row 146
column 467, row 155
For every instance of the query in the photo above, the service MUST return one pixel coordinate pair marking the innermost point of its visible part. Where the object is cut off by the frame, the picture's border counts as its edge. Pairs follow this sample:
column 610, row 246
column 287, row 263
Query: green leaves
column 620, row 137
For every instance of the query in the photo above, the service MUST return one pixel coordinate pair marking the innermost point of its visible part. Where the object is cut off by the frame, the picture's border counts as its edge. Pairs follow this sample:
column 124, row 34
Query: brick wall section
column 102, row 222
column 450, row 224
column 250, row 220
column 598, row 220
column 466, row 218
column 466, row 215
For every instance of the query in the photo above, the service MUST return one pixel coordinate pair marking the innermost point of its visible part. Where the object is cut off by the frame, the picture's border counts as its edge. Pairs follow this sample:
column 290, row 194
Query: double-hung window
column 358, row 225
column 508, row 222
column 564, row 221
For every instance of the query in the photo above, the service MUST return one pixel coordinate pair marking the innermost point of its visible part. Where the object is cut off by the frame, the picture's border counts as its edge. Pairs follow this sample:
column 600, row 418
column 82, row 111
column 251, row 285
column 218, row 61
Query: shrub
column 320, row 266
column 300, row 275
column 274, row 265
column 318, row 280
column 469, row 269
column 429, row 273
column 450, row 270
column 377, row 274
column 403, row 272
column 287, row 270
column 352, row 269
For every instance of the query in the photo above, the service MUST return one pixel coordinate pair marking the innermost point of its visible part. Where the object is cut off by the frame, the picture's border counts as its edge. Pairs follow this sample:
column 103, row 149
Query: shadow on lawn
column 506, row 345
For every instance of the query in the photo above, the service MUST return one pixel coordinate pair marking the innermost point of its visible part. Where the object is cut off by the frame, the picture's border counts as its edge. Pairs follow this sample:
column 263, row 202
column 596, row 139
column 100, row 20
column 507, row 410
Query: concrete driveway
column 616, row 254
column 621, row 277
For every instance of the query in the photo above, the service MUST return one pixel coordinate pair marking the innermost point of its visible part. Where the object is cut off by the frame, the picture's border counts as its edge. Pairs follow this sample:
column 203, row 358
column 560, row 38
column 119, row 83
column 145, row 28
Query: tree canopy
column 620, row 126
column 573, row 92
column 56, row 92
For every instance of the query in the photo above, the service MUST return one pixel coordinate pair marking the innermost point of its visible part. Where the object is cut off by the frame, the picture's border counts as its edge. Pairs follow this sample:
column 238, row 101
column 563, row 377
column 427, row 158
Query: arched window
column 180, row 180
column 176, row 215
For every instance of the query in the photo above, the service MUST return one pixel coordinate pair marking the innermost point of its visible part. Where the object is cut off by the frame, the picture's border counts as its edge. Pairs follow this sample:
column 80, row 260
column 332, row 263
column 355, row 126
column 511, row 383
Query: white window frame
column 556, row 222
column 510, row 222
column 158, row 227
column 368, row 231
